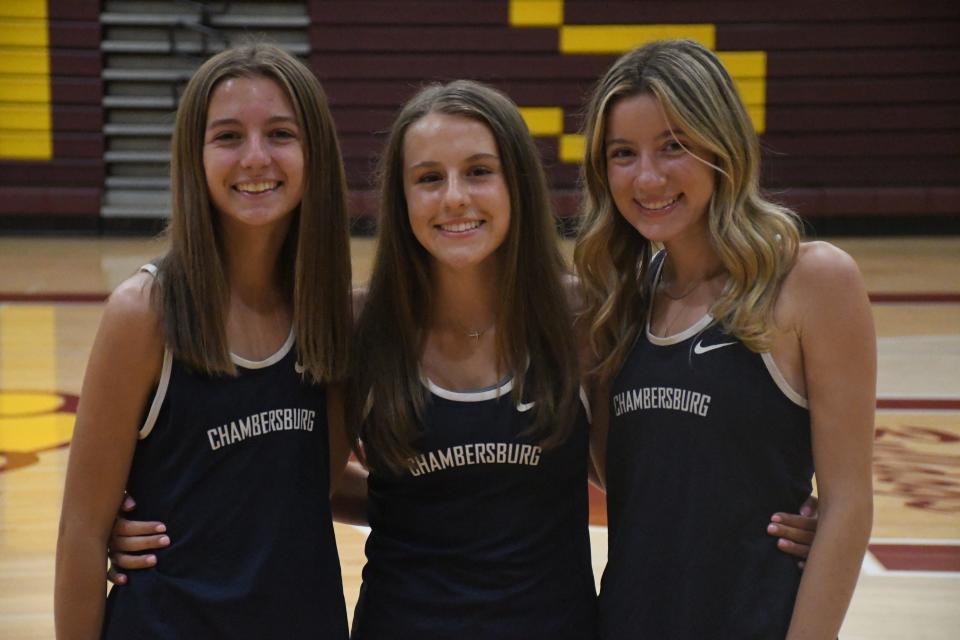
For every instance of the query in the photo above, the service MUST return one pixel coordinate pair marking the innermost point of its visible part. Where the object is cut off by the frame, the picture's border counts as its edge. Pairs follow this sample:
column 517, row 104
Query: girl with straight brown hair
column 208, row 389
column 466, row 393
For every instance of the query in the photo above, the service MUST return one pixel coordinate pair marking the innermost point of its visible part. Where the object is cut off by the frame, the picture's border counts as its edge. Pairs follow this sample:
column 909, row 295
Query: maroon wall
column 69, row 185
column 862, row 110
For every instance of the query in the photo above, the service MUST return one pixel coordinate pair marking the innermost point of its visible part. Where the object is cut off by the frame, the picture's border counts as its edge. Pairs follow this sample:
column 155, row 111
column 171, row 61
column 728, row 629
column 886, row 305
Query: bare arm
column 599, row 423
column 838, row 345
column 337, row 428
column 349, row 502
column 348, row 480
column 124, row 365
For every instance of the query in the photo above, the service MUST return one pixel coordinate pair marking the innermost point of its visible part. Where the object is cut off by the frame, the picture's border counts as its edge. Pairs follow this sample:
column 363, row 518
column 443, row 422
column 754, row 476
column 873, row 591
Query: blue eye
column 620, row 152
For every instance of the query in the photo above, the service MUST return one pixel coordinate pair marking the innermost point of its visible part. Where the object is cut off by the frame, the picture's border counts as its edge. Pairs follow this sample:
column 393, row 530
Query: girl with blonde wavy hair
column 731, row 360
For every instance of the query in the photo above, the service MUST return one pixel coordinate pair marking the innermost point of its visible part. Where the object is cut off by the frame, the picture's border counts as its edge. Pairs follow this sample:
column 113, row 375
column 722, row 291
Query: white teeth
column 461, row 226
column 256, row 187
column 659, row 204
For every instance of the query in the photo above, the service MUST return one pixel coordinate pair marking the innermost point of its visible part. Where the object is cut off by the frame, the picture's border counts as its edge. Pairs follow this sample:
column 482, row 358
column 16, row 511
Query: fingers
column 794, row 521
column 124, row 527
column 795, row 533
column 130, row 562
column 138, row 543
column 792, row 548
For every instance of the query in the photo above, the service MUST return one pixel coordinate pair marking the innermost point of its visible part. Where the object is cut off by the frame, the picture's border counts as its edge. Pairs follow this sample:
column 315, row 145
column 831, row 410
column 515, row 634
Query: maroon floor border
column 876, row 298
column 52, row 297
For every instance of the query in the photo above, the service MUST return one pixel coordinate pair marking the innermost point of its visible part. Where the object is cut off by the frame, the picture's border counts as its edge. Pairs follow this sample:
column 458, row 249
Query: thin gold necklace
column 691, row 288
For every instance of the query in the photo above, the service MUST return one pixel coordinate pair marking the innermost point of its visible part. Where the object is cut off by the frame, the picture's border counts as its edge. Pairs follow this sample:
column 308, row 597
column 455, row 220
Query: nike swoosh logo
column 298, row 367
column 699, row 349
column 523, row 407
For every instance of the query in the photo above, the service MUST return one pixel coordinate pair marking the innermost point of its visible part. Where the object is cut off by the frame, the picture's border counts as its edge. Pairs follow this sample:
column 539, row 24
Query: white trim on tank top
column 496, row 392
column 469, row 396
column 167, row 366
column 704, row 322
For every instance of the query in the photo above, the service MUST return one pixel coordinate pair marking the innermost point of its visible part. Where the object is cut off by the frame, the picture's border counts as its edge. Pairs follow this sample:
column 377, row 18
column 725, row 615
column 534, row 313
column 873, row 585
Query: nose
column 255, row 153
column 649, row 173
column 456, row 196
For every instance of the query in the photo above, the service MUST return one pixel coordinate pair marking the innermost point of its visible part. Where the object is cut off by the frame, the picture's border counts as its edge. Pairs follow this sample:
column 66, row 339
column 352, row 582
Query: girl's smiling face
column 457, row 197
column 660, row 181
column 252, row 152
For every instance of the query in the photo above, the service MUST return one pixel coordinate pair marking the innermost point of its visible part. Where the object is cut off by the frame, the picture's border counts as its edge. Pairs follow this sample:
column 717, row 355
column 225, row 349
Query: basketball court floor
column 51, row 293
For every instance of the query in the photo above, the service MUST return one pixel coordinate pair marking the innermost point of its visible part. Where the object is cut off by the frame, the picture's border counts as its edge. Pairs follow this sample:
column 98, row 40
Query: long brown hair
column 315, row 262
column 755, row 239
column 534, row 338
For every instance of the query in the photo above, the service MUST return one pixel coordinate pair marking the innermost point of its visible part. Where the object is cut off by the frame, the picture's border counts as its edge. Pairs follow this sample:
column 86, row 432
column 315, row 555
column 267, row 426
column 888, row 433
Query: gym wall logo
column 918, row 466
column 32, row 422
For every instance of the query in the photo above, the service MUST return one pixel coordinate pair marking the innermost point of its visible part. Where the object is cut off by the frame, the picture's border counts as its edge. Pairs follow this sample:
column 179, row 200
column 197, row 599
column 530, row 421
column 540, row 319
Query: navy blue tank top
column 484, row 535
column 238, row 469
column 706, row 441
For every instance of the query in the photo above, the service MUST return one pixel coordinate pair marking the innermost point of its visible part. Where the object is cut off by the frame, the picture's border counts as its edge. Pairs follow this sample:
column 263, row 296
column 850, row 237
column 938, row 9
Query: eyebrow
column 477, row 156
column 233, row 121
column 666, row 133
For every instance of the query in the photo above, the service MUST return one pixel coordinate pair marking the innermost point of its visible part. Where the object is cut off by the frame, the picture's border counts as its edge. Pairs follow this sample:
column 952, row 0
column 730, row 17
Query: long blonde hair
column 315, row 262
column 534, row 338
column 756, row 239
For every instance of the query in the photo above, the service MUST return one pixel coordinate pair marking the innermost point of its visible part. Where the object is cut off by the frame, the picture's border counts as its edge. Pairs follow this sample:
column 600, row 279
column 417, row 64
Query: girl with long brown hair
column 465, row 387
column 207, row 389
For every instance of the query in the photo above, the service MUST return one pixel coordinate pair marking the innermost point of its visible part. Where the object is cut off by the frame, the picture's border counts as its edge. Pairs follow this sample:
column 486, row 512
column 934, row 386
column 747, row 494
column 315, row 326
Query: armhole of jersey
column 159, row 396
column 781, row 382
column 585, row 401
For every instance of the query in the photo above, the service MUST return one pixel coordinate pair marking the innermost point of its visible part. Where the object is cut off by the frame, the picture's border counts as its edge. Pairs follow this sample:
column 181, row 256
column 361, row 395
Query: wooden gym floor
column 51, row 291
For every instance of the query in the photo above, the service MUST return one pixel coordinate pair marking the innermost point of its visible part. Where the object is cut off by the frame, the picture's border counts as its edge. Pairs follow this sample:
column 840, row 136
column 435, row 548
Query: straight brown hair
column 534, row 340
column 192, row 291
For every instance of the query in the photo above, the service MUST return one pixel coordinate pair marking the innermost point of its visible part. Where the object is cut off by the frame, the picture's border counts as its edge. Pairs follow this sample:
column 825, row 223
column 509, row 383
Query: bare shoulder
column 131, row 300
column 130, row 320
column 822, row 270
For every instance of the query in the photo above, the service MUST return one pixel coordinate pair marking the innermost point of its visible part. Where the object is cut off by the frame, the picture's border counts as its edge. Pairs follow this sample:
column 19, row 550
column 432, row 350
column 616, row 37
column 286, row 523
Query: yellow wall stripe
column 18, row 60
column 24, row 88
column 24, row 32
column 23, row 9
column 536, row 13
column 543, row 121
column 619, row 38
column 25, row 145
column 25, row 117
column 572, row 148
column 744, row 64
